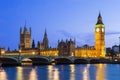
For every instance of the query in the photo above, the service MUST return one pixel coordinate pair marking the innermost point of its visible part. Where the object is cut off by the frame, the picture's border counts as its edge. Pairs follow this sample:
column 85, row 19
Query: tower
column 71, row 47
column 45, row 41
column 99, row 37
column 66, row 48
column 33, row 44
column 25, row 38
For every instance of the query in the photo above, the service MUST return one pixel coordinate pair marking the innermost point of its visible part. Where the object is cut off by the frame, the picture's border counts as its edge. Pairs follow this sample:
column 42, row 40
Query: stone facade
column 64, row 48
column 25, row 38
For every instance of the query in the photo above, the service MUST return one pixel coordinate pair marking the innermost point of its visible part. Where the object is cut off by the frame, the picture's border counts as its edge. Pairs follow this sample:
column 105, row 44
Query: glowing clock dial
column 102, row 29
column 97, row 30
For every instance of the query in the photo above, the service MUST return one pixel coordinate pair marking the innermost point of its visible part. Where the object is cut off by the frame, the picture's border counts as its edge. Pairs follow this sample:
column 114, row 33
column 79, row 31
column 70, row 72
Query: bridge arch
column 9, row 61
column 9, row 58
column 80, row 61
column 94, row 61
column 26, row 59
column 36, row 60
column 63, row 60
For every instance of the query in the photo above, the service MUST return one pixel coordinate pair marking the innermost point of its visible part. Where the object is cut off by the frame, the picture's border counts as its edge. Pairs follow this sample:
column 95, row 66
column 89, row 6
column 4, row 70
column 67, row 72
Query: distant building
column 115, row 48
column 66, row 48
column 108, row 51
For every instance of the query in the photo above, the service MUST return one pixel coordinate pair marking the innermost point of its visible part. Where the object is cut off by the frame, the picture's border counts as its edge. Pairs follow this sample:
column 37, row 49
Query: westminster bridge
column 38, row 59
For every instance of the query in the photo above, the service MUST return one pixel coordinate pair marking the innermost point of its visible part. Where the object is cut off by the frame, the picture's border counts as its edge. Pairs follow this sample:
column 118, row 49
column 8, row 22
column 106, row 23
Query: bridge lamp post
column 72, row 54
column 39, row 52
column 33, row 53
column 50, row 54
column 19, row 55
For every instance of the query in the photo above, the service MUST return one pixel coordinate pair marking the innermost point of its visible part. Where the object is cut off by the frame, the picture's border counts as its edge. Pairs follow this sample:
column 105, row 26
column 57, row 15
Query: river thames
column 62, row 72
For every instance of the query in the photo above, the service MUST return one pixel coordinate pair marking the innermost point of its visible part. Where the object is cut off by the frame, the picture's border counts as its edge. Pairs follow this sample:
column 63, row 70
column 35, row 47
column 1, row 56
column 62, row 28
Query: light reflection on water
column 86, row 72
column 33, row 74
column 100, row 73
column 19, row 73
column 62, row 72
column 3, row 75
column 53, row 73
column 72, row 72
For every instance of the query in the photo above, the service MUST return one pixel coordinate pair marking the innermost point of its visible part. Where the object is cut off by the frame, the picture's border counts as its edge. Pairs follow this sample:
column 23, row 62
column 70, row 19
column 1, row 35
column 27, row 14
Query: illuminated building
column 45, row 41
column 25, row 38
column 85, row 51
column 49, row 52
column 2, row 51
column 99, row 49
column 65, row 48
column 27, row 48
column 99, row 37
column 44, row 45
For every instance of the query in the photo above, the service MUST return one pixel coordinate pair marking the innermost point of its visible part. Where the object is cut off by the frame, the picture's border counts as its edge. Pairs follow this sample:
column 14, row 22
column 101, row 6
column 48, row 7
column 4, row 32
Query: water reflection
column 63, row 72
column 56, row 74
column 101, row 72
column 22, row 73
column 3, row 75
column 86, row 72
column 53, row 73
column 19, row 73
column 89, row 72
column 33, row 74
column 72, row 72
column 50, row 74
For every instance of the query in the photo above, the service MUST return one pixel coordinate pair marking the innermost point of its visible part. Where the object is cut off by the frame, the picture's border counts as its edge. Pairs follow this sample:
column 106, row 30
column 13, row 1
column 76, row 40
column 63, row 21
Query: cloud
column 65, row 34
column 81, row 38
column 112, row 33
column 85, row 38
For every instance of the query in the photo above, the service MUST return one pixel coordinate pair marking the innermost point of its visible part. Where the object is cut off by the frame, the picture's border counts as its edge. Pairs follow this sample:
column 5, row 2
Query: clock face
column 102, row 29
column 97, row 30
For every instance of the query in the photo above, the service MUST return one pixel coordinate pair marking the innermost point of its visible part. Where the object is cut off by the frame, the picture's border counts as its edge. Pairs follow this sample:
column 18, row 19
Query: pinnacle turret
column 33, row 44
column 99, row 21
column 45, row 40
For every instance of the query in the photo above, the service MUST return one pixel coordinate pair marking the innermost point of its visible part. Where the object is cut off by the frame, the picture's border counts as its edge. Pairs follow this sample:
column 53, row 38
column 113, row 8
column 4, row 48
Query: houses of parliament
column 64, row 48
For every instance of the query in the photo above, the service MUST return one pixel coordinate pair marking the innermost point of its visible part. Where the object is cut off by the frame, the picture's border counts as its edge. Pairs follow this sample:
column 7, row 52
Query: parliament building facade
column 64, row 48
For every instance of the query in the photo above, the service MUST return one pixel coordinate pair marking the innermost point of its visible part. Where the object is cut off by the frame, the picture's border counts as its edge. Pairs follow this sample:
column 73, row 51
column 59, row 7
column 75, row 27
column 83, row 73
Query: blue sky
column 62, row 19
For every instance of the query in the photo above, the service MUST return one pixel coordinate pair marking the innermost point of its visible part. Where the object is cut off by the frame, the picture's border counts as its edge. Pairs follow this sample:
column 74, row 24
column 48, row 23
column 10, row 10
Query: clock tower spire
column 99, row 20
column 99, row 37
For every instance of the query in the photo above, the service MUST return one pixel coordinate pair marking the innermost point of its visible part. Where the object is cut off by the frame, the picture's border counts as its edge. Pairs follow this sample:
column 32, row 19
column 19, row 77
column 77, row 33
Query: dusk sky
column 63, row 19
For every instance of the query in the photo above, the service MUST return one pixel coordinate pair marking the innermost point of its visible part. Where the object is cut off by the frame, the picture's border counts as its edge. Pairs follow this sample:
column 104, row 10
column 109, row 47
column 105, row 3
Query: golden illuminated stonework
column 64, row 48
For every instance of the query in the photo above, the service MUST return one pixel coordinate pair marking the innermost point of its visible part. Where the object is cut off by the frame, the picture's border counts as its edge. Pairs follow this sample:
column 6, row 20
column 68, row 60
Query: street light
column 72, row 54
column 19, row 56
column 33, row 53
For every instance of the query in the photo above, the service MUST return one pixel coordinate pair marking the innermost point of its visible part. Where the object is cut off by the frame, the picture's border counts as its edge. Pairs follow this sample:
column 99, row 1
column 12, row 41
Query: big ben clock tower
column 99, row 37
